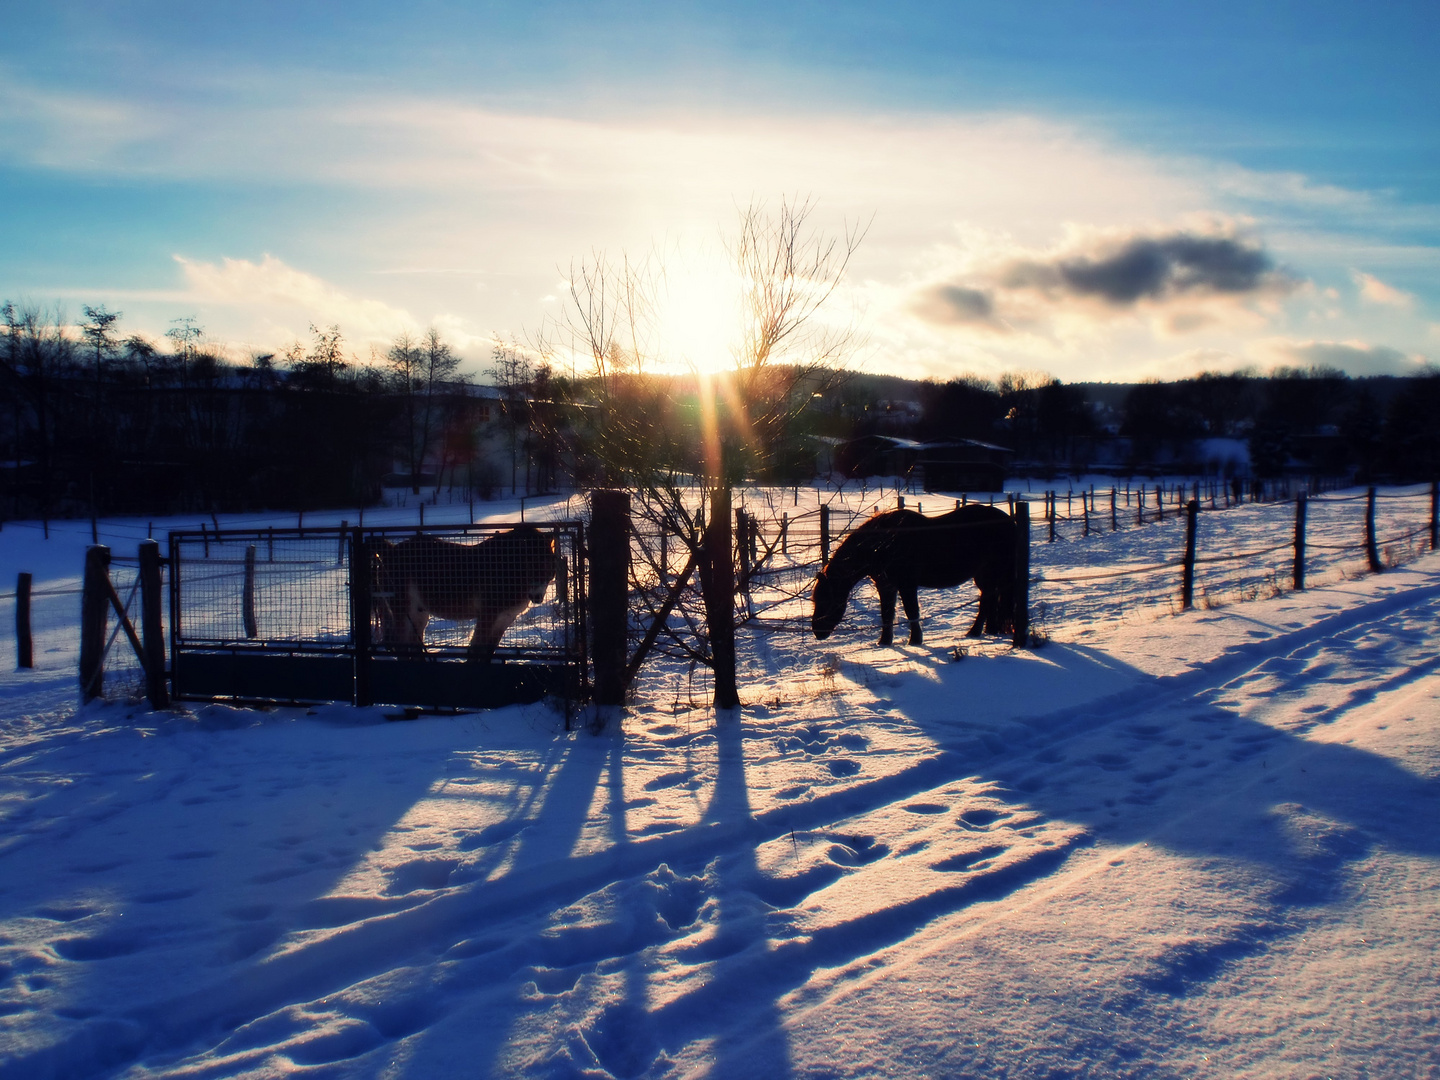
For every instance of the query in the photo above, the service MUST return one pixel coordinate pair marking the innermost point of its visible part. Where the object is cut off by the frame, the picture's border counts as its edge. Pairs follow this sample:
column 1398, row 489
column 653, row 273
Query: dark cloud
column 1177, row 275
column 1152, row 268
column 955, row 305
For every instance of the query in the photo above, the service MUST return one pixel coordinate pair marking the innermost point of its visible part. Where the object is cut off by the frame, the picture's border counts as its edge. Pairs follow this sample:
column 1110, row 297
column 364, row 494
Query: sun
column 699, row 321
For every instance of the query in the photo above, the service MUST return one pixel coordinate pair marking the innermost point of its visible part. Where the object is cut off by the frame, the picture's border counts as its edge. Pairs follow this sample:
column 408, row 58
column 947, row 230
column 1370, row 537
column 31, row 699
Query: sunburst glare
column 700, row 322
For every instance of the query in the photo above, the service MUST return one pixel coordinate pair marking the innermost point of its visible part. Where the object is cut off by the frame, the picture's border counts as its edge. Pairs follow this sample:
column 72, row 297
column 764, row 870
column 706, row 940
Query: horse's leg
column 887, row 612
column 912, row 613
column 982, row 613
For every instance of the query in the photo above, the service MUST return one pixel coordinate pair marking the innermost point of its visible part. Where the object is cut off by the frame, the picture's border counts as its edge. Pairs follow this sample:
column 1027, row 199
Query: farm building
column 948, row 465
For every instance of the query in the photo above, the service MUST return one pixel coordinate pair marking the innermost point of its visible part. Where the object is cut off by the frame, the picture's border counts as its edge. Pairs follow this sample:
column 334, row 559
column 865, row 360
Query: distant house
column 963, row 465
column 876, row 455
column 949, row 465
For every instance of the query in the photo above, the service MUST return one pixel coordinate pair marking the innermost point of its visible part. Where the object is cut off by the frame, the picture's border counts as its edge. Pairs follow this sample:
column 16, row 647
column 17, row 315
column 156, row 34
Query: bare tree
column 98, row 329
column 403, row 358
column 440, row 369
column 512, row 372
column 420, row 370
column 789, row 272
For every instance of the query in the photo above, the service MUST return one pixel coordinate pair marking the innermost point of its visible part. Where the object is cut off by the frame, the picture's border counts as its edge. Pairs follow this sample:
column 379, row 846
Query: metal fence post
column 1022, row 576
column 1187, row 586
column 152, row 629
column 247, row 599
column 361, row 601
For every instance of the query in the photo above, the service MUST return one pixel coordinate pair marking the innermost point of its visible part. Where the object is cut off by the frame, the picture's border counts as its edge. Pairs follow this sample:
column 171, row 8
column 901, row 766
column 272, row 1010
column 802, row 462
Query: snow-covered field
column 1161, row 845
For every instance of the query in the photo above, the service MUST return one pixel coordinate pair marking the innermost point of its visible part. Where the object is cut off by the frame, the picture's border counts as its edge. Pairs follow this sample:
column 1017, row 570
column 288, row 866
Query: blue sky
column 1098, row 191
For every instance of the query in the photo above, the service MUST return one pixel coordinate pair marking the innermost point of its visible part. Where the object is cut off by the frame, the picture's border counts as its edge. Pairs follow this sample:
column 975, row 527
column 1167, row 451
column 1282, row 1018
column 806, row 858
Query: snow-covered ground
column 1161, row 845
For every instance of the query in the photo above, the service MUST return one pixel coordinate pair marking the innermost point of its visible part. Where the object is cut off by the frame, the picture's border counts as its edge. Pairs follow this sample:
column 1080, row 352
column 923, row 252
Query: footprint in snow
column 669, row 780
column 65, row 912
column 857, row 851
column 969, row 860
column 420, row 874
column 843, row 767
column 980, row 818
column 101, row 947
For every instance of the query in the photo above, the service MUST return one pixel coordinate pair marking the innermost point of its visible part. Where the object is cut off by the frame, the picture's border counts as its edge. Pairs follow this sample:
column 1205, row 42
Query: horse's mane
column 868, row 541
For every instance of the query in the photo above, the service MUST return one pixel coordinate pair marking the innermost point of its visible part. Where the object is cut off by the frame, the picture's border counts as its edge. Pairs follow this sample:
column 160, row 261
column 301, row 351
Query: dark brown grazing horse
column 901, row 551
column 491, row 582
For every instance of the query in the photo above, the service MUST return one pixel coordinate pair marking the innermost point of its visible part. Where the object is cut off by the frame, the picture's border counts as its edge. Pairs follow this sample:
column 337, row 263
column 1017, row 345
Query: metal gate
column 374, row 615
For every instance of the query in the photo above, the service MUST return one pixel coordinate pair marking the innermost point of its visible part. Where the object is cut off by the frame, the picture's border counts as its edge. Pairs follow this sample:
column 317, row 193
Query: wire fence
column 1094, row 554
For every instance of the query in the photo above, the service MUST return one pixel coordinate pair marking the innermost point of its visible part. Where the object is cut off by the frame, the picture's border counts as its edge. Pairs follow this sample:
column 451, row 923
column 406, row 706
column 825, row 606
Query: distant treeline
column 1314, row 420
column 92, row 421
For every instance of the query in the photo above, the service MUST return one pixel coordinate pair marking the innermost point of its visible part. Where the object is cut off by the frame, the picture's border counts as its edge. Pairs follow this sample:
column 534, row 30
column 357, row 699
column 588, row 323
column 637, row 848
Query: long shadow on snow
column 235, row 835
column 1169, row 762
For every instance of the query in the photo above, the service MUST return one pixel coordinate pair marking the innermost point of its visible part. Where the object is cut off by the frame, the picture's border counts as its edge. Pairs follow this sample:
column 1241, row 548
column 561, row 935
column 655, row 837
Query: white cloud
column 291, row 299
column 1376, row 291
column 1354, row 357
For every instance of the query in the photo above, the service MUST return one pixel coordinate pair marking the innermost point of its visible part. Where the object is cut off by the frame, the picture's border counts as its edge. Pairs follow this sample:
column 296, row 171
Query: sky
column 1095, row 191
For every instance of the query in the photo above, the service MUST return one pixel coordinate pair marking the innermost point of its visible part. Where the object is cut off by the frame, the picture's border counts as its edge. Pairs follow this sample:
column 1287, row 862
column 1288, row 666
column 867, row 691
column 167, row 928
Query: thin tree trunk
column 718, row 590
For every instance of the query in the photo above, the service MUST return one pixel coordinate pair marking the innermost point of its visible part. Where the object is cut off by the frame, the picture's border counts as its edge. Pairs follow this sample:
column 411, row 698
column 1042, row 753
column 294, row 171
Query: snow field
column 1191, row 846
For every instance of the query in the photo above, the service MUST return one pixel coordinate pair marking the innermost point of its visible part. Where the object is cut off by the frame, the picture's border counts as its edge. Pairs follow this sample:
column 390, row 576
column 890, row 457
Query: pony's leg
column 483, row 640
column 912, row 614
column 887, row 613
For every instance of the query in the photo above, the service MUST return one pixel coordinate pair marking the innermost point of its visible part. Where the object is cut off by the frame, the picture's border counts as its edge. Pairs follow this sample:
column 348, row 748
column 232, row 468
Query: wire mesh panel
column 445, row 616
column 279, row 588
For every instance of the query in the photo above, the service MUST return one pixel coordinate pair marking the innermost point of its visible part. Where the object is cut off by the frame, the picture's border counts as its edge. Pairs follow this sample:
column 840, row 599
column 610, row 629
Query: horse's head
column 543, row 569
column 829, row 605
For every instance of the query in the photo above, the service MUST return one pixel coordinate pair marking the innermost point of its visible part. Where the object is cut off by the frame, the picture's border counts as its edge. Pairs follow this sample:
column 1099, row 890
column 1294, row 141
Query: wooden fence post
column 1085, row 506
column 1187, row 586
column 1159, row 503
column 1114, row 518
column 362, row 584
column 1434, row 514
column 152, row 627
column 94, row 604
column 1050, row 514
column 746, row 552
column 785, row 533
column 1021, row 613
column 247, row 598
column 24, row 649
column 1298, row 574
column 1372, row 552
column 824, row 533
column 609, row 543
